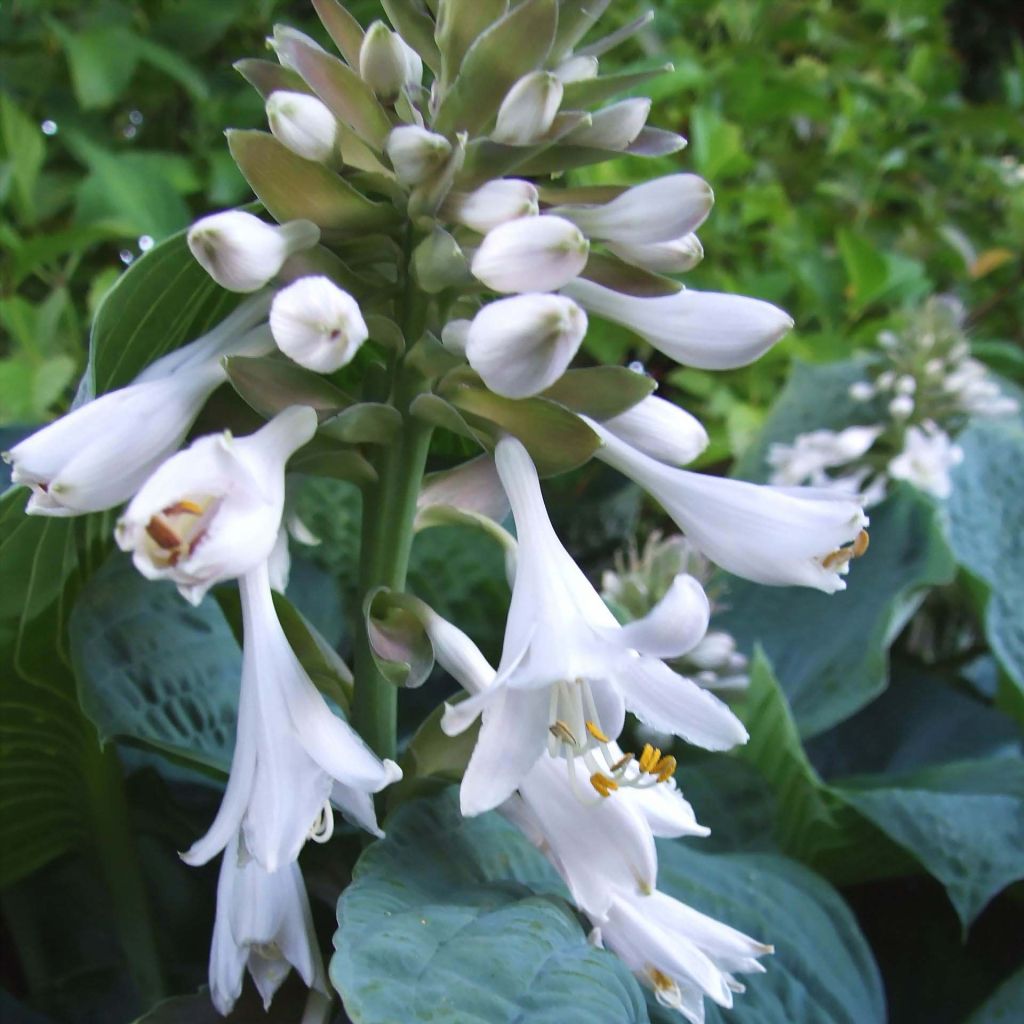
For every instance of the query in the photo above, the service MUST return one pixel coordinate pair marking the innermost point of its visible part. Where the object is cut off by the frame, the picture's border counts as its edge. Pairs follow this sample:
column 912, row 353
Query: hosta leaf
column 575, row 20
column 462, row 918
column 1005, row 1004
column 269, row 385
column 293, row 188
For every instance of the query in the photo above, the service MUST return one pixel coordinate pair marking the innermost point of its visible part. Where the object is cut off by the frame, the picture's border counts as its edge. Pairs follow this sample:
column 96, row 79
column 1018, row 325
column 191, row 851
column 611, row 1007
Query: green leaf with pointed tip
column 324, row 456
column 459, row 24
column 342, row 28
column 435, row 410
column 575, row 19
column 266, row 77
column 346, row 95
column 364, row 423
column 269, row 385
column 611, row 272
column 590, row 91
column 292, row 188
column 600, row 391
column 415, row 25
column 463, row 914
column 651, row 142
column 498, row 58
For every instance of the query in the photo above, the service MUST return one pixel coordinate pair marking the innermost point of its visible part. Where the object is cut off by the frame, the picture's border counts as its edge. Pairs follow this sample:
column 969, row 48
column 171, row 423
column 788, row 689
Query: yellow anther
column 184, row 507
column 603, row 784
column 860, row 545
column 621, row 763
column 649, row 757
column 665, row 768
column 596, row 733
column 164, row 535
column 561, row 731
column 661, row 981
column 841, row 556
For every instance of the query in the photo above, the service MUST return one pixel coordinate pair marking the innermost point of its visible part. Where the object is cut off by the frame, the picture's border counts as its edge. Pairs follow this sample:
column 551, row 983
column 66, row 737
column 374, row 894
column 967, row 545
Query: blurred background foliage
column 864, row 156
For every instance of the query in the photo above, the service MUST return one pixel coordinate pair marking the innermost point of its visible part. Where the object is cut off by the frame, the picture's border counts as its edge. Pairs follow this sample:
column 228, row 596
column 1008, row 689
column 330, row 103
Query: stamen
column 649, row 757
column 660, row 980
column 184, row 507
column 562, row 732
column 163, row 533
column 665, row 768
column 603, row 784
column 594, row 731
column 621, row 763
column 860, row 545
column 841, row 556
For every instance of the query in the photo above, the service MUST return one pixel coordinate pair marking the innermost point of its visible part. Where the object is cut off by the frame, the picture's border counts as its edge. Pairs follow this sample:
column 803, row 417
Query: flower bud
column 675, row 257
column 862, row 391
column 241, row 252
column 532, row 254
column 528, row 109
column 657, row 211
column 661, row 430
column 494, row 203
column 387, row 63
column 455, row 335
column 303, row 124
column 614, row 127
column 901, row 407
column 522, row 345
column 317, row 324
column 416, row 153
column 576, row 69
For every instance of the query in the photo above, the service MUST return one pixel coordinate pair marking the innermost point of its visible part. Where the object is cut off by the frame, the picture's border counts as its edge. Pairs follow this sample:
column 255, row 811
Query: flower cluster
column 921, row 391
column 424, row 224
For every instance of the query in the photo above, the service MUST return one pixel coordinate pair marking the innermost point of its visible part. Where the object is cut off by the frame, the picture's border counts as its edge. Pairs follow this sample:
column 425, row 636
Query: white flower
column 241, row 252
column 264, row 923
column 676, row 256
column 707, row 330
column 862, row 391
column 317, row 324
column 613, row 127
column 976, row 392
column 656, row 211
column 531, row 254
column 776, row 535
column 818, row 450
column 528, row 109
column 568, row 669
column 682, row 954
column 303, row 124
column 522, row 345
column 901, row 407
column 660, row 429
column 576, row 69
column 455, row 336
column 98, row 455
column 493, row 203
column 416, row 153
column 293, row 755
column 387, row 63
column 927, row 457
column 213, row 511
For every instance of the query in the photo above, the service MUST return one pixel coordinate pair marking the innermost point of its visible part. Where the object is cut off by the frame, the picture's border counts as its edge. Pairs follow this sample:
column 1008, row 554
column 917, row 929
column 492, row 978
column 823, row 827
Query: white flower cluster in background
column 921, row 392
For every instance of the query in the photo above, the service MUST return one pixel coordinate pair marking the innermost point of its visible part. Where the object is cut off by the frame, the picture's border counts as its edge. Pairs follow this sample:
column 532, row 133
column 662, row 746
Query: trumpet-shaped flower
column 528, row 109
column 707, row 330
column 263, row 923
column 243, row 253
column 303, row 124
column 212, row 512
column 661, row 430
column 568, row 670
column 522, row 345
column 494, row 203
column 656, row 211
column 776, row 535
column 531, row 254
column 293, row 755
column 317, row 324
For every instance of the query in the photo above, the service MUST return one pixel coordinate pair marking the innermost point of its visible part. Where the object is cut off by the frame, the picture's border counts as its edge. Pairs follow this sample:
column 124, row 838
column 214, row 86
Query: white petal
column 528, row 109
column 612, row 127
column 707, row 330
column 357, row 807
column 317, row 324
column 675, row 256
column 531, row 254
column 303, row 124
column 383, row 62
column 458, row 655
column 473, row 486
column 674, row 625
column 494, row 203
column 660, row 429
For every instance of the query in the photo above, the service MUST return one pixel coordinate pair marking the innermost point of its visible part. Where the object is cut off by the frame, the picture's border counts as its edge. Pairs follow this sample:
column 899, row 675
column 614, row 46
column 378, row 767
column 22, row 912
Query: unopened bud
column 522, row 345
column 495, row 203
column 862, row 391
column 303, row 124
column 532, row 254
column 387, row 63
column 576, row 69
column 614, row 127
column 317, row 324
column 901, row 406
column 528, row 109
column 661, row 430
column 675, row 257
column 455, row 336
column 241, row 252
column 905, row 385
column 416, row 153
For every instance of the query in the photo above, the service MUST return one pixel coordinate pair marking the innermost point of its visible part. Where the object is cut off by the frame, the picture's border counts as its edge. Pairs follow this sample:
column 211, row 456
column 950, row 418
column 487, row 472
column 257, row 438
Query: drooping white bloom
column 528, row 109
column 523, row 344
column 682, row 954
column 387, row 63
column 531, row 254
column 293, row 755
column 241, row 252
column 927, row 457
column 660, row 429
column 776, row 535
column 263, row 923
column 673, row 257
column 303, row 124
column 569, row 670
column 212, row 512
column 98, row 455
column 707, row 330
column 494, row 203
column 317, row 324
column 416, row 153
column 614, row 126
column 817, row 450
column 656, row 211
